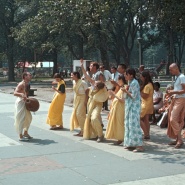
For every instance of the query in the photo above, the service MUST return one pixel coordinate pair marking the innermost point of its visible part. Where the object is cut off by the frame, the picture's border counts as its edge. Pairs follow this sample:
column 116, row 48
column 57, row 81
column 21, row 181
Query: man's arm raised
column 85, row 74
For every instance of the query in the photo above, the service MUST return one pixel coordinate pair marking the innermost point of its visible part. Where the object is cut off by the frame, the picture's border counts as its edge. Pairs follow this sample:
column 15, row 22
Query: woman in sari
column 97, row 95
column 115, row 128
column 80, row 102
column 92, row 127
column 133, row 133
column 54, row 118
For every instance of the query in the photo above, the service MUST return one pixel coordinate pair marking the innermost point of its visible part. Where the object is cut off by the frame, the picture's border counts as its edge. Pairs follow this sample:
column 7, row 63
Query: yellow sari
column 56, row 108
column 115, row 128
column 92, row 126
column 79, row 111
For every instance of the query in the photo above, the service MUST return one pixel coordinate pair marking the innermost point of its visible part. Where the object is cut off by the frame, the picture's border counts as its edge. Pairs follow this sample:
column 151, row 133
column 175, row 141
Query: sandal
column 178, row 145
column 23, row 139
column 172, row 143
column 53, row 128
column 118, row 142
column 80, row 134
column 27, row 136
column 138, row 149
column 146, row 137
column 60, row 127
column 129, row 148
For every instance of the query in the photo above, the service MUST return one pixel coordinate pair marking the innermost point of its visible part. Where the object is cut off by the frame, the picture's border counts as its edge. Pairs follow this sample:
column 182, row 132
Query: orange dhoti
column 176, row 117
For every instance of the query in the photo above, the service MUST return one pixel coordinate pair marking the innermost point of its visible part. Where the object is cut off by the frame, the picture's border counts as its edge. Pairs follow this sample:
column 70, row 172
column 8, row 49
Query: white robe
column 23, row 117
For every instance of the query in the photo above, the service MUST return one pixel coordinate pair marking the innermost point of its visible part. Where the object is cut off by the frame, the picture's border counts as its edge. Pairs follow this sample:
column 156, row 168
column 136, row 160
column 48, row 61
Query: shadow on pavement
column 42, row 141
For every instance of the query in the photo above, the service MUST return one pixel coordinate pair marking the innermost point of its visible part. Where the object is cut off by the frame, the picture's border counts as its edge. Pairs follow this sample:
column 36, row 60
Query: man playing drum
column 23, row 117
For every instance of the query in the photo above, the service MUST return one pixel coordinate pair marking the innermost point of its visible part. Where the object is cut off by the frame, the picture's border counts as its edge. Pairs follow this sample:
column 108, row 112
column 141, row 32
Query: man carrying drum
column 23, row 117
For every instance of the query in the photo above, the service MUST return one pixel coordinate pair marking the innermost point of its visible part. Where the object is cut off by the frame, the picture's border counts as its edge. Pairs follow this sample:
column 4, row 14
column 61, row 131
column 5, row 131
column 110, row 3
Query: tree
column 170, row 19
column 12, row 14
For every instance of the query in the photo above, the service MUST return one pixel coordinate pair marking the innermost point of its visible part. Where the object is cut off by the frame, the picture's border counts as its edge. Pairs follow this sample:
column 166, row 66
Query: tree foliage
column 103, row 30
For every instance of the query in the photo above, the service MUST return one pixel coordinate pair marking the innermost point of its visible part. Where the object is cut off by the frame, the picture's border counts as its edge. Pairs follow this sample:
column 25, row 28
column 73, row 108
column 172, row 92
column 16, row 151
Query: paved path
column 57, row 157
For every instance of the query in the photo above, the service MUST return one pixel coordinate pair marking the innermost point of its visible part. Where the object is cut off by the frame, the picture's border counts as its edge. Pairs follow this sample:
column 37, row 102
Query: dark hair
column 88, row 68
column 121, row 77
column 24, row 75
column 57, row 75
column 157, row 84
column 142, row 66
column 123, row 66
column 100, row 85
column 102, row 66
column 77, row 74
column 95, row 64
column 131, row 71
column 147, row 77
column 113, row 67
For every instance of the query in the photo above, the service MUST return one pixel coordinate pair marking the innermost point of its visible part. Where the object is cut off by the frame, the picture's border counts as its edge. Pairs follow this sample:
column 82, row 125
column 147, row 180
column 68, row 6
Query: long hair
column 131, row 71
column 77, row 74
column 147, row 78
column 121, row 77
column 57, row 75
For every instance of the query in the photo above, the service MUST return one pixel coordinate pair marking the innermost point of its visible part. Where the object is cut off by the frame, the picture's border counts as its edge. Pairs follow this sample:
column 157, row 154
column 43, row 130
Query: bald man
column 177, row 107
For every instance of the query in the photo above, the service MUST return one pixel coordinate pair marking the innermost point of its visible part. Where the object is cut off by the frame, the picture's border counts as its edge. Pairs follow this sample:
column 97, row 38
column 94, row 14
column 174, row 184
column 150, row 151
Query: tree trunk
column 170, row 50
column 118, row 57
column 11, row 76
column 127, row 61
column 104, row 58
column 181, row 45
column 55, row 67
column 80, row 48
column 103, row 48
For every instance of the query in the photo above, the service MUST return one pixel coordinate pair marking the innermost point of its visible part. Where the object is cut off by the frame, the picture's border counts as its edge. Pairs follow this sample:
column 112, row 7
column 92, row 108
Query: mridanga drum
column 32, row 104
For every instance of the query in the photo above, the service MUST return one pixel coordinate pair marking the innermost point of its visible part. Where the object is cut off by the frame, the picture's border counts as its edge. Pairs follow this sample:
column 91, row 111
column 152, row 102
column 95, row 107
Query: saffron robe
column 79, row 112
column 92, row 126
column 115, row 128
column 56, row 108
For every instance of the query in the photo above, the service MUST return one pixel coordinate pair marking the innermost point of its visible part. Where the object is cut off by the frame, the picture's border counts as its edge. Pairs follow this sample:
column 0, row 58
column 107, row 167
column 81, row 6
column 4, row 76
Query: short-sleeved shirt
column 96, row 76
column 107, row 75
column 115, row 76
column 178, row 85
column 147, row 103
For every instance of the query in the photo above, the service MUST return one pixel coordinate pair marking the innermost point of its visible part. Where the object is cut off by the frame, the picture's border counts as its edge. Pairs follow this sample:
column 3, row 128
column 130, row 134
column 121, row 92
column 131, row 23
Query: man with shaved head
column 177, row 107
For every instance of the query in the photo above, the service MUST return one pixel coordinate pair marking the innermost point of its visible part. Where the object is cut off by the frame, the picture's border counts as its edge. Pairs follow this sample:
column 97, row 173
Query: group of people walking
column 131, row 106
